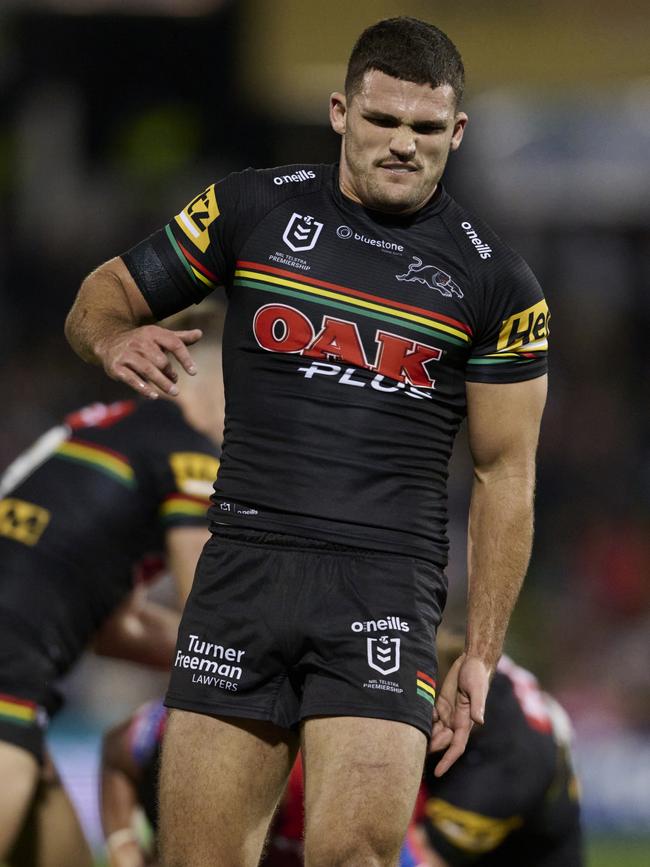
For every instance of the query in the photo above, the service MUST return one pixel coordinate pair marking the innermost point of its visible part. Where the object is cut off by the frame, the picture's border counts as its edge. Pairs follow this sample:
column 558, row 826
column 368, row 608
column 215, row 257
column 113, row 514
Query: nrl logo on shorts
column 301, row 233
column 431, row 276
column 383, row 654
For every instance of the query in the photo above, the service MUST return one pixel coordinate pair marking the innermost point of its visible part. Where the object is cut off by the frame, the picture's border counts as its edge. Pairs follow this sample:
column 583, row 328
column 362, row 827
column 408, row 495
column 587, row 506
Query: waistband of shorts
column 271, row 538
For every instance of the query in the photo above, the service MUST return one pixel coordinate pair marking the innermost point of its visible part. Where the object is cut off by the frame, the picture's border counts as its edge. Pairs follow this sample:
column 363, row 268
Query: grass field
column 618, row 852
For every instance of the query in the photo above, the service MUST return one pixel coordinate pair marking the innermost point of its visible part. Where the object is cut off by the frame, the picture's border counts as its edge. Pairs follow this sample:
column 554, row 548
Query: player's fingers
column 153, row 376
column 441, row 737
column 189, row 337
column 145, row 377
column 477, row 710
column 445, row 709
column 454, row 751
column 176, row 343
column 170, row 373
column 130, row 378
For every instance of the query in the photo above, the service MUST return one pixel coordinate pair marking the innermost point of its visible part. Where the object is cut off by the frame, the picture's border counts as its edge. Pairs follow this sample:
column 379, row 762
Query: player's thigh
column 51, row 834
column 221, row 779
column 361, row 780
column 19, row 772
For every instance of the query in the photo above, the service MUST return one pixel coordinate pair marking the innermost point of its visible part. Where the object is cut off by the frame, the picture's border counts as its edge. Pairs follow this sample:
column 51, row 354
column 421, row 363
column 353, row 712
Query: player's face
column 397, row 136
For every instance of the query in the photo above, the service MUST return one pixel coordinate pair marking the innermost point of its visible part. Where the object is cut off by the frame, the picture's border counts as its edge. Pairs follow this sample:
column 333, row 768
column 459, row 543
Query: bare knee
column 361, row 850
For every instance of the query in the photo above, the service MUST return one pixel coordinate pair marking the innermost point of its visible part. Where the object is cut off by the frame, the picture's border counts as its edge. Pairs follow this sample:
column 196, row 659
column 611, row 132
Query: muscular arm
column 503, row 423
column 503, row 426
column 106, row 326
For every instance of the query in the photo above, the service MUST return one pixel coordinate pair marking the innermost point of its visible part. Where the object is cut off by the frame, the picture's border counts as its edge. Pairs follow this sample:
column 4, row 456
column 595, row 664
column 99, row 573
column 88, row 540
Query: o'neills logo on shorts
column 211, row 664
column 380, row 625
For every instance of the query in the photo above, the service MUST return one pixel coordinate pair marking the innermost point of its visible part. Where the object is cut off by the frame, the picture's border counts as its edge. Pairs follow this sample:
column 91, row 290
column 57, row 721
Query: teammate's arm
column 139, row 631
column 184, row 546
column 107, row 325
column 119, row 776
column 503, row 427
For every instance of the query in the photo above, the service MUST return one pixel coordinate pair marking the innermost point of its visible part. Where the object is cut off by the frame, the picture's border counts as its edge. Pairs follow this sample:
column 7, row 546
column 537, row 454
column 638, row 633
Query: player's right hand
column 142, row 358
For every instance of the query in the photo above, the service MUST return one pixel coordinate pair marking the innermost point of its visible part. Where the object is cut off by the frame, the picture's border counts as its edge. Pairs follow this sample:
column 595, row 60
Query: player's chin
column 398, row 200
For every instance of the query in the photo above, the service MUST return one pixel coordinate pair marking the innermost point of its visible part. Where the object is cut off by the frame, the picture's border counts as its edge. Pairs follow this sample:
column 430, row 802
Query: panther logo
column 431, row 276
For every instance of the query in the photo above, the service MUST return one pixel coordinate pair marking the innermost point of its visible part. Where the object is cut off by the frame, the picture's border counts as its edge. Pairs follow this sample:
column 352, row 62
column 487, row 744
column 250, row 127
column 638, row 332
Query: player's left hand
column 460, row 704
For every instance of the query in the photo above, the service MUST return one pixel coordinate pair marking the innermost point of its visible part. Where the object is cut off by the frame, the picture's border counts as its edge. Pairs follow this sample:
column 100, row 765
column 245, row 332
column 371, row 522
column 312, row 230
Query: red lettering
column 279, row 328
column 338, row 339
column 404, row 360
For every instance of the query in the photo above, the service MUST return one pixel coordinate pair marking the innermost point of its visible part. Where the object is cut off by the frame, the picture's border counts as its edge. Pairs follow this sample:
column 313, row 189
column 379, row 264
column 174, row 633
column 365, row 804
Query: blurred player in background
column 368, row 314
column 511, row 800
column 84, row 513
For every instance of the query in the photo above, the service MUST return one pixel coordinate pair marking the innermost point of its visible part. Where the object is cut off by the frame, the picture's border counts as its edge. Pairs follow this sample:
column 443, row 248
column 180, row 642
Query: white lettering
column 298, row 176
column 484, row 250
column 390, row 622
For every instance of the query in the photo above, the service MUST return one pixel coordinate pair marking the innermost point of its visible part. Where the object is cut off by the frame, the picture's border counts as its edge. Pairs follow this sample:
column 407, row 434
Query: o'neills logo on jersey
column 296, row 177
column 484, row 250
column 211, row 664
column 380, row 625
column 280, row 328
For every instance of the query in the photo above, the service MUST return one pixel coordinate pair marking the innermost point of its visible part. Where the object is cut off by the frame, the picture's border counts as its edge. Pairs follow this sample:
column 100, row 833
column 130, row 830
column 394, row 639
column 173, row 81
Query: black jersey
column 86, row 506
column 511, row 798
column 348, row 340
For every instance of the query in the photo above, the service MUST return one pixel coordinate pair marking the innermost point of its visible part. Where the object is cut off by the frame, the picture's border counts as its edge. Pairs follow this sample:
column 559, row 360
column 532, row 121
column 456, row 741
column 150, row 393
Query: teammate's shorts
column 281, row 628
column 28, row 696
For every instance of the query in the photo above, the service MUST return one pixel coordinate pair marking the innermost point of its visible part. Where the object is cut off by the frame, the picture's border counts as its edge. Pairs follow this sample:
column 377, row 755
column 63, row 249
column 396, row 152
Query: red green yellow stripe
column 183, row 506
column 17, row 710
column 426, row 687
column 211, row 280
column 271, row 279
column 197, row 271
column 100, row 458
column 519, row 357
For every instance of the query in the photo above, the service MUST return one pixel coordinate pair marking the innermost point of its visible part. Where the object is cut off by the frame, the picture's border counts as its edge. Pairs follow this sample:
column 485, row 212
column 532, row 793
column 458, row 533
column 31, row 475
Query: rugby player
column 84, row 513
column 369, row 314
column 512, row 798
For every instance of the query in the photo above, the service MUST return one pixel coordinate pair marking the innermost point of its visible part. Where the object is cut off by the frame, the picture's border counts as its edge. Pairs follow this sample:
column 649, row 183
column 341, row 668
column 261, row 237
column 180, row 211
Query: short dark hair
column 409, row 49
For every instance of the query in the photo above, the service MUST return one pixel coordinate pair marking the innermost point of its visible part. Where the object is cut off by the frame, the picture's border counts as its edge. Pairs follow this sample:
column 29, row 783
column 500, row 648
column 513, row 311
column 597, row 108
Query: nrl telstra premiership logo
column 383, row 654
column 301, row 233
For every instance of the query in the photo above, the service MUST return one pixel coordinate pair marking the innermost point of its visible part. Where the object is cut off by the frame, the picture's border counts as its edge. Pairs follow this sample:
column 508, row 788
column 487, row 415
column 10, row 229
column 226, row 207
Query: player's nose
column 402, row 144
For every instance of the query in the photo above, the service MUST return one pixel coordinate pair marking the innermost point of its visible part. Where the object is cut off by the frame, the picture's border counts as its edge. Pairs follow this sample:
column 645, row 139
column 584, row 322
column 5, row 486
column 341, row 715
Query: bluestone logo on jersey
column 431, row 276
column 301, row 233
column 296, row 177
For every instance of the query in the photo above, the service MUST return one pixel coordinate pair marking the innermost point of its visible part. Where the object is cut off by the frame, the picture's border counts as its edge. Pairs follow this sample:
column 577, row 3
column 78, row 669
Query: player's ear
column 460, row 122
column 338, row 111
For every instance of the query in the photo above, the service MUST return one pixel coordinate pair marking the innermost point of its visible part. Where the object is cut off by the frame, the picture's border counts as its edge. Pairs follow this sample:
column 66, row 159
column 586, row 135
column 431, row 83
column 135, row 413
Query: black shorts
column 28, row 696
column 281, row 628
